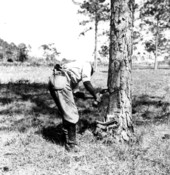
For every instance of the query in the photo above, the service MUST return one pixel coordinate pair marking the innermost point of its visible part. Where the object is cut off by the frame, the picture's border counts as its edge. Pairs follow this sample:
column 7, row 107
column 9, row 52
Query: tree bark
column 156, row 46
column 119, row 75
column 96, row 40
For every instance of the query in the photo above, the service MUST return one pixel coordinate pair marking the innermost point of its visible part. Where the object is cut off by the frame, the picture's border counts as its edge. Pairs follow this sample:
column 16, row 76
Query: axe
column 82, row 95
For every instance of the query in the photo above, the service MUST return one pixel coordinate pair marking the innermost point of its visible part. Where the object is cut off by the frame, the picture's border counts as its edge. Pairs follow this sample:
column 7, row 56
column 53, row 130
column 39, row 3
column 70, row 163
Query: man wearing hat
column 62, row 83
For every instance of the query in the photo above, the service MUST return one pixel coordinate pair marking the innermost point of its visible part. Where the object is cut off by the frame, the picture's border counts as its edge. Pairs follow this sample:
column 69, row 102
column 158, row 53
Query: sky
column 38, row 22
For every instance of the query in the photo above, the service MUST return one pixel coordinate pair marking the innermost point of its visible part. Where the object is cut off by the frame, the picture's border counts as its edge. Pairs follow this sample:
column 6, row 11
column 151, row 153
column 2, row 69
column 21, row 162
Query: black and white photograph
column 85, row 87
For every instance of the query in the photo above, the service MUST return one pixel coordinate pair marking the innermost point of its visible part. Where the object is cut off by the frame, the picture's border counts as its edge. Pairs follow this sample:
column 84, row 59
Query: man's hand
column 98, row 100
column 98, row 97
column 95, row 104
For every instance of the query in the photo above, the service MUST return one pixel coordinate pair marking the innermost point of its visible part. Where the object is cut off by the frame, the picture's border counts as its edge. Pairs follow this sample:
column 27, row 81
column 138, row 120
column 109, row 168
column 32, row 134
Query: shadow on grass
column 150, row 109
column 54, row 134
column 28, row 105
column 23, row 91
column 5, row 100
column 33, row 102
column 25, row 105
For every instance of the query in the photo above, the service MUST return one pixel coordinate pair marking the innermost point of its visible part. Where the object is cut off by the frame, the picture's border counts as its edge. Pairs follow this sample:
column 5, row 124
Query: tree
column 50, row 51
column 15, row 51
column 156, row 14
column 96, row 11
column 104, row 51
column 22, row 52
column 9, row 52
column 118, row 120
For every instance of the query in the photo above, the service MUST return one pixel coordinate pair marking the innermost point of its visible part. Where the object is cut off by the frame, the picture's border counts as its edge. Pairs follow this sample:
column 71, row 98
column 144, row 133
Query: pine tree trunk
column 156, row 47
column 96, row 40
column 119, row 77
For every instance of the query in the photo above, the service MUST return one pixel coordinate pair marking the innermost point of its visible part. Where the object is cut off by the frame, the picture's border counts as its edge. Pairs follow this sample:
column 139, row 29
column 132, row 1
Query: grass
column 30, row 127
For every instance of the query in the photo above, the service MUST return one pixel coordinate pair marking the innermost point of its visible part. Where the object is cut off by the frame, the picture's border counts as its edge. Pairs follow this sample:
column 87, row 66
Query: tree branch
column 76, row 3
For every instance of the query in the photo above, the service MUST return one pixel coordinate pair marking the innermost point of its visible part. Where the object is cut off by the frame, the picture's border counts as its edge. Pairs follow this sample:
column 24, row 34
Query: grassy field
column 30, row 127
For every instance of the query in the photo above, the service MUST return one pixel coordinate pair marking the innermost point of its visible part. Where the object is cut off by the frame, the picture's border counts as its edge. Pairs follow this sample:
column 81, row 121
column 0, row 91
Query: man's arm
column 91, row 90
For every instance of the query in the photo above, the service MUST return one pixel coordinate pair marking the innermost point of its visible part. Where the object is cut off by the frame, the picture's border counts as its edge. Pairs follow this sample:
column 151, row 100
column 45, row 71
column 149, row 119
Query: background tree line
column 151, row 25
column 11, row 52
column 150, row 38
column 21, row 53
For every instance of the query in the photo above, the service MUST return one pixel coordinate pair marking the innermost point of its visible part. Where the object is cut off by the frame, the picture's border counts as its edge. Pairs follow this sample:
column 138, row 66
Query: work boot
column 70, row 137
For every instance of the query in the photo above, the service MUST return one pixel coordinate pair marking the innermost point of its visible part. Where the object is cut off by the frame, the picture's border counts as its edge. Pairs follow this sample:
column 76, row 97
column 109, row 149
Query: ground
column 30, row 127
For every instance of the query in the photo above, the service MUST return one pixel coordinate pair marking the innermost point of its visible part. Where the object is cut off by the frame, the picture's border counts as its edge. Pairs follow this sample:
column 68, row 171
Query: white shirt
column 79, row 71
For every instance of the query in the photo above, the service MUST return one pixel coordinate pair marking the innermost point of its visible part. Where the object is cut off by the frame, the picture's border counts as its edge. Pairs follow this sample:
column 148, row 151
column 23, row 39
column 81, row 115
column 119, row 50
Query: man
column 62, row 83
